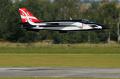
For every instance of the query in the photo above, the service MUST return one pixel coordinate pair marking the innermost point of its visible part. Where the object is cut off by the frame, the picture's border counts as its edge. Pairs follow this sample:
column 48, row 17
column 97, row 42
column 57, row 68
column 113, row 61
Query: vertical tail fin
column 27, row 15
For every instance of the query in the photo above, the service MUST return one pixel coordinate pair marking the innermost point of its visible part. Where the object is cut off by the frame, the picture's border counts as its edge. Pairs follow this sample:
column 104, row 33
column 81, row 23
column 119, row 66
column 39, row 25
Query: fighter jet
column 31, row 23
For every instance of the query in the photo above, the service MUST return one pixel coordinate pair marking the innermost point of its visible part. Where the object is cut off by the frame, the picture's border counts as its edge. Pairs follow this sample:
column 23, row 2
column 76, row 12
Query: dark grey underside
column 60, row 72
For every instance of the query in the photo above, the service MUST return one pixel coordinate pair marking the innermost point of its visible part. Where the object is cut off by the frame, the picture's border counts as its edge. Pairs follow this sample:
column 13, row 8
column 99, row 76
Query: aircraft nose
column 94, row 26
column 99, row 26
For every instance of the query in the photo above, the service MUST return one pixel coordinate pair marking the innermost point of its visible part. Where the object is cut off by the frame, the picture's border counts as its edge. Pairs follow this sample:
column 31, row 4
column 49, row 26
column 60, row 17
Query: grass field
column 63, row 60
column 59, row 49
column 65, row 55
column 59, row 78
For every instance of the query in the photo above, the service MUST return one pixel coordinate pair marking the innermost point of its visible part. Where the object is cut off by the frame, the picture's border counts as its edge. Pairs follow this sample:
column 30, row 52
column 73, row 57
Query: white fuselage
column 63, row 26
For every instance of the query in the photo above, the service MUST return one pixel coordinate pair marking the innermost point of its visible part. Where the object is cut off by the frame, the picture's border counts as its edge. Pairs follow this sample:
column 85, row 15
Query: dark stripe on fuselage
column 57, row 26
column 30, row 26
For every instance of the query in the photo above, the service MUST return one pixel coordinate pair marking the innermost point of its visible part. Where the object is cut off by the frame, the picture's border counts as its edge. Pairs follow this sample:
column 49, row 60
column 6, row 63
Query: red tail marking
column 29, row 14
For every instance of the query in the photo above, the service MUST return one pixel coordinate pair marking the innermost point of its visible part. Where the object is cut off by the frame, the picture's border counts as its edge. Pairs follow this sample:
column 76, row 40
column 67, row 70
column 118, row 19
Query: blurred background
column 106, row 12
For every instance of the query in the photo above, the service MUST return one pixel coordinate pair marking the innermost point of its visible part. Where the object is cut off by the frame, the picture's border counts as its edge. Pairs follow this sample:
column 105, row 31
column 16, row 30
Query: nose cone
column 95, row 26
column 100, row 26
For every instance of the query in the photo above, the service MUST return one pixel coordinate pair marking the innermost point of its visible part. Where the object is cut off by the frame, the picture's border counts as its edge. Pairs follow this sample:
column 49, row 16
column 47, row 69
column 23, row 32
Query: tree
column 109, row 14
column 6, row 16
column 67, row 9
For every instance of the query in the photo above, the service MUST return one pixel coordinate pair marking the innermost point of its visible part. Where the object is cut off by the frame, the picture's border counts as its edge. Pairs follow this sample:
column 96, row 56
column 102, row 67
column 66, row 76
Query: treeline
column 104, row 13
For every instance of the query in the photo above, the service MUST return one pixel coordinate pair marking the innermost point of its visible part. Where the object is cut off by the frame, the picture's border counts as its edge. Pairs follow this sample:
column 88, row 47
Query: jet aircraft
column 31, row 23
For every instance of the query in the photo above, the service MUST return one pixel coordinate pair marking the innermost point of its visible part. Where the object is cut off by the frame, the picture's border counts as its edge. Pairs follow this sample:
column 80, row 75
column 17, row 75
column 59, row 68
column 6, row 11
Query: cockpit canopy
column 87, row 21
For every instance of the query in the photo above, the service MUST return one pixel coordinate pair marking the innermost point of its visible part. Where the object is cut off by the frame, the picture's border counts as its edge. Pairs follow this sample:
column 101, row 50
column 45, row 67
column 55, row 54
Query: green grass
column 60, row 49
column 58, row 78
column 63, row 55
column 32, row 60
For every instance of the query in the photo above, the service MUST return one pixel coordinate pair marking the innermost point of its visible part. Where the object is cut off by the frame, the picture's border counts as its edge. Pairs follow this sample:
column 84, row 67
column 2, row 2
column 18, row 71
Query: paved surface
column 60, row 72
